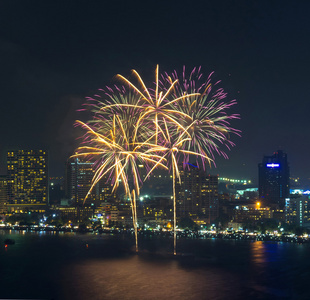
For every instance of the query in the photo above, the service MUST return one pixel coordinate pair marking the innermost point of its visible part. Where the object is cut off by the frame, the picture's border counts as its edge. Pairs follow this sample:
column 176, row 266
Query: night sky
column 54, row 53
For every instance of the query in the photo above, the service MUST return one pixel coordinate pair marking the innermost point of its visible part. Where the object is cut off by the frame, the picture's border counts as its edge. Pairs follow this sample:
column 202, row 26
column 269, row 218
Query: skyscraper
column 3, row 193
column 197, row 195
column 106, row 193
column 78, row 181
column 297, row 210
column 27, row 180
column 79, row 175
column 274, row 176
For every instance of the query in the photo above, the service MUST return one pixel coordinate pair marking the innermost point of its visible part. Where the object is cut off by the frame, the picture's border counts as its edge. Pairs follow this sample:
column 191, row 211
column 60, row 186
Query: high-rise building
column 106, row 193
column 56, row 190
column 197, row 194
column 27, row 180
column 297, row 210
column 78, row 182
column 3, row 194
column 79, row 175
column 274, row 179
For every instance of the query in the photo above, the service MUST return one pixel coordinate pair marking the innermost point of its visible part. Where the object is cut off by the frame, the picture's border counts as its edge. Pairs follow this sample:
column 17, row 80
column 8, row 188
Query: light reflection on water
column 258, row 250
column 139, row 278
column 60, row 266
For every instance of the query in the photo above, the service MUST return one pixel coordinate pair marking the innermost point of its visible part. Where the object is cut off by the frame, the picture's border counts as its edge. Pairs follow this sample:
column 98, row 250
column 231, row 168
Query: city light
column 241, row 181
column 273, row 165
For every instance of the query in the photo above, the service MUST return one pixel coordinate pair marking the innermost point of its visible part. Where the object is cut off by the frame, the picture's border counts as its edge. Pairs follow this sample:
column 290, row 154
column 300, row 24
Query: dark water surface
column 61, row 266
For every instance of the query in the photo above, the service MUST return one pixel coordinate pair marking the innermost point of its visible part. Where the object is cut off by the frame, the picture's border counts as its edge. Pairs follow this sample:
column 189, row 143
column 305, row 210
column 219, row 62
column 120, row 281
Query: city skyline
column 154, row 149
column 233, row 179
column 53, row 56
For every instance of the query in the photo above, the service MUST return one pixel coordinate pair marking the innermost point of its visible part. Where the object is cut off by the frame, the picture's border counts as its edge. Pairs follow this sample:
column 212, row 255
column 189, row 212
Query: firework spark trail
column 207, row 126
column 154, row 105
column 172, row 148
column 132, row 123
column 116, row 150
column 208, row 123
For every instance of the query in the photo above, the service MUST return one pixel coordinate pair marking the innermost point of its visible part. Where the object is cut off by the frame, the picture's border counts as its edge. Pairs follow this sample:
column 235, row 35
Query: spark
column 208, row 124
column 161, row 126
column 172, row 149
column 117, row 147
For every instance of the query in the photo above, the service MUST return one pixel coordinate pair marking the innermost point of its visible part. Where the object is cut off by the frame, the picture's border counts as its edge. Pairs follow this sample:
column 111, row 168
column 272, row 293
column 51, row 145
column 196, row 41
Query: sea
column 54, row 265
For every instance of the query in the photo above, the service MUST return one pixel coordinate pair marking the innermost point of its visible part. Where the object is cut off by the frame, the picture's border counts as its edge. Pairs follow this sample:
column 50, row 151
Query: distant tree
column 294, row 229
column 298, row 230
column 250, row 226
column 188, row 223
column 82, row 227
column 23, row 219
column 11, row 219
column 58, row 221
column 86, row 221
column 289, row 228
column 222, row 220
column 96, row 225
column 268, row 225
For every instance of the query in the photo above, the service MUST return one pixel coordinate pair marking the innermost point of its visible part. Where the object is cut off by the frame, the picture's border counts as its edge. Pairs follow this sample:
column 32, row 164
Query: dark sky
column 54, row 53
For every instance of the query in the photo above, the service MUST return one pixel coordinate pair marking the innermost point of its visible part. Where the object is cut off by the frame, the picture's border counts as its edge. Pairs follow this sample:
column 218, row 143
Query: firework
column 163, row 126
column 172, row 149
column 206, row 127
column 208, row 122
column 154, row 106
column 117, row 145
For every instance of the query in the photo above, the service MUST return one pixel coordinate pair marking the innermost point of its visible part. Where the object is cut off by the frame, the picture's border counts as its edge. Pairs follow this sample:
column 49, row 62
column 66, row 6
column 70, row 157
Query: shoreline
column 284, row 238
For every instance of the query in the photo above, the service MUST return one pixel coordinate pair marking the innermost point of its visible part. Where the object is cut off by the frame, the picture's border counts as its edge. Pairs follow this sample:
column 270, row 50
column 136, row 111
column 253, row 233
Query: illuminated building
column 75, row 214
column 158, row 184
column 114, row 214
column 27, row 180
column 247, row 194
column 56, row 190
column 105, row 191
column 274, row 179
column 197, row 195
column 297, row 210
column 155, row 208
column 251, row 213
column 79, row 175
column 3, row 194
column 299, row 192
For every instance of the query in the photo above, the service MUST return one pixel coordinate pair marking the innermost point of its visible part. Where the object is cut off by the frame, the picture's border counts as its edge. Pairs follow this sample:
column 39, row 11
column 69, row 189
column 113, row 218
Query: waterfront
column 46, row 265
